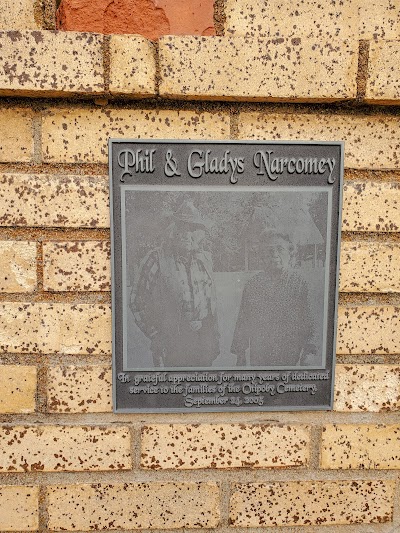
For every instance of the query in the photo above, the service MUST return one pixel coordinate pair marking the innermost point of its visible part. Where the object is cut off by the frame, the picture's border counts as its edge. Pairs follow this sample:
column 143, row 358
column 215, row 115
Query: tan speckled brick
column 64, row 448
column 133, row 506
column 16, row 135
column 182, row 446
column 241, row 68
column 383, row 81
column 46, row 200
column 25, row 200
column 18, row 389
column 369, row 388
column 369, row 267
column 132, row 66
column 347, row 446
column 297, row 503
column 19, row 508
column 325, row 19
column 379, row 19
column 79, row 389
column 17, row 266
column 50, row 63
column 370, row 141
column 369, row 206
column 81, row 135
column 55, row 328
column 368, row 330
column 76, row 266
column 86, row 329
column 18, row 15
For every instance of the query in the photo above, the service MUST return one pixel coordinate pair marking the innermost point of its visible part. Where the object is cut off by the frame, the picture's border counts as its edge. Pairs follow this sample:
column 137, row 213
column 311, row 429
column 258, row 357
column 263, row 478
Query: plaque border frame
column 211, row 409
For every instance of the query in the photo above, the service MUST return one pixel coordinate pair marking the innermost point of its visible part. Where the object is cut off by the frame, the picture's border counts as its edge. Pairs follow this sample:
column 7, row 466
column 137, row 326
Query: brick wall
column 326, row 70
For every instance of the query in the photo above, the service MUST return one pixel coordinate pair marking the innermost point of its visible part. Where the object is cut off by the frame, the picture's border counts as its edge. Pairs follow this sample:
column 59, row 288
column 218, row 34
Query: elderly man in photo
column 274, row 325
column 174, row 299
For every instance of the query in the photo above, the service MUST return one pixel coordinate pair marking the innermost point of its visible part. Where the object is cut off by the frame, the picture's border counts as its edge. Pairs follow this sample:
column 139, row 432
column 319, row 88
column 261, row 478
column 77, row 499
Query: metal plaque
column 225, row 274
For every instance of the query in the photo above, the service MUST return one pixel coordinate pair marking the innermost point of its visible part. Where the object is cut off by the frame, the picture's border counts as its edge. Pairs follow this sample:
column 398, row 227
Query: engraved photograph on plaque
column 225, row 262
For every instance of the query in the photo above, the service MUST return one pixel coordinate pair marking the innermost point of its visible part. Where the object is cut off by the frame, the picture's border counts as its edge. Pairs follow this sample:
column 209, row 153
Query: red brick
column 150, row 18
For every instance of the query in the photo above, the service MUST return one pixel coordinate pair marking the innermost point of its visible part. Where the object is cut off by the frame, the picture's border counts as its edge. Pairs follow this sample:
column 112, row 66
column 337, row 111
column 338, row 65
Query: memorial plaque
column 225, row 274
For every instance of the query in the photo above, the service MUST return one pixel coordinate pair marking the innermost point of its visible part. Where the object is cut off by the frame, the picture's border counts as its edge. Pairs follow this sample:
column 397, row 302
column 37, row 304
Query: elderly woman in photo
column 274, row 325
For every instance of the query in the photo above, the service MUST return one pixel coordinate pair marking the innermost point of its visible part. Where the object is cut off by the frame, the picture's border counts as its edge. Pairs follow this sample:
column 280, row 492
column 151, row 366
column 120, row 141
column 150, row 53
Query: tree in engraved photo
column 225, row 278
